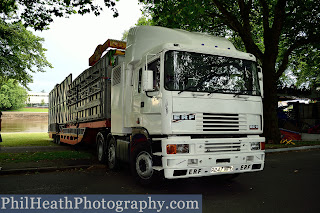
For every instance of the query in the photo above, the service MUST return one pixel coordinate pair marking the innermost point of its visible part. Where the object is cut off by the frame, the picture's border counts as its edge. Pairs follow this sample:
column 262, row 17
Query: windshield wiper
column 216, row 90
column 187, row 89
column 242, row 92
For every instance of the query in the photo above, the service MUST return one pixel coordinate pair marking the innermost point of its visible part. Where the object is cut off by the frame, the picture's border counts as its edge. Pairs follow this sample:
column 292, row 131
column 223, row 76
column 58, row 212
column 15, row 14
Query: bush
column 12, row 95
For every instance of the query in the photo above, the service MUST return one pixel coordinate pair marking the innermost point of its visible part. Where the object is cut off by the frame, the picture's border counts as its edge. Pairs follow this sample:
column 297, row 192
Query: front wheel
column 141, row 166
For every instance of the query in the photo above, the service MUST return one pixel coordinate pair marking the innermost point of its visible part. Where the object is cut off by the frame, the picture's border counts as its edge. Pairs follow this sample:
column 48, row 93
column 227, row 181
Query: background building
column 38, row 99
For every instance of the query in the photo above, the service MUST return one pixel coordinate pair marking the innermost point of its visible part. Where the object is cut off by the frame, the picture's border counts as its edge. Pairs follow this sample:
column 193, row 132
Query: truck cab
column 193, row 100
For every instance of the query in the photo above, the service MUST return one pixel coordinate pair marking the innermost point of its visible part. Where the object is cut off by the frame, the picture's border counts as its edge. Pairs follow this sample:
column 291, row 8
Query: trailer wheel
column 56, row 139
column 111, row 155
column 101, row 148
column 141, row 165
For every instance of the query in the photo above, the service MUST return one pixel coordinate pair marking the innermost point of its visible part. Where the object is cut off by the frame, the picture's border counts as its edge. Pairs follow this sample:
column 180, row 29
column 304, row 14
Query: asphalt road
column 289, row 183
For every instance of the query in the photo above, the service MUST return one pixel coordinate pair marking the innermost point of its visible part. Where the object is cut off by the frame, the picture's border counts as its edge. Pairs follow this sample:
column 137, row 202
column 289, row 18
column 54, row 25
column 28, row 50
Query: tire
column 57, row 139
column 101, row 152
column 112, row 154
column 54, row 137
column 141, row 165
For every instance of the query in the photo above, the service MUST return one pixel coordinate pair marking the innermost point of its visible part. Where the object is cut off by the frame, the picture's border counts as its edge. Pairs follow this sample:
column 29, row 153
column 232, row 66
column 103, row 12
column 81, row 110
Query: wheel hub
column 144, row 165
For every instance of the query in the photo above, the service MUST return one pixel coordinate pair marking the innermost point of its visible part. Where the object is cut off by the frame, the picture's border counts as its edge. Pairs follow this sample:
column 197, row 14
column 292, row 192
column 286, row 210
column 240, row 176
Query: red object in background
column 314, row 130
column 290, row 135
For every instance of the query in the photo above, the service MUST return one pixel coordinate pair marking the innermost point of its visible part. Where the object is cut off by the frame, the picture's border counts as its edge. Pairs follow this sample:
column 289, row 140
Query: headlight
column 257, row 145
column 177, row 148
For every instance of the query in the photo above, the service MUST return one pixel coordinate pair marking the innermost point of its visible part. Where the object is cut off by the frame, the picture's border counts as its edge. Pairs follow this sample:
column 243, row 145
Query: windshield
column 188, row 71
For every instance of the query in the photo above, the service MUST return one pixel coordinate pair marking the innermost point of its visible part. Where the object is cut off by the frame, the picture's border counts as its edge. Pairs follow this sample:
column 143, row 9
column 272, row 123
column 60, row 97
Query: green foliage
column 125, row 35
column 286, row 28
column 142, row 21
column 12, row 96
column 275, row 31
column 305, row 65
column 38, row 13
column 21, row 53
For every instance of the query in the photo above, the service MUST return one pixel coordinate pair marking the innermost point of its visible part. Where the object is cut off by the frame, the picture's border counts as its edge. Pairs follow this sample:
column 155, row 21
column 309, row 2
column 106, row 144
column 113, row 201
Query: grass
column 26, row 139
column 36, row 139
column 296, row 144
column 29, row 110
column 40, row 156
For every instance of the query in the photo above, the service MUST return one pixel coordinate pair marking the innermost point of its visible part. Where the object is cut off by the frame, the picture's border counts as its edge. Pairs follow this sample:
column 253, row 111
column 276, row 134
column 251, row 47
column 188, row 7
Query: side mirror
column 260, row 76
column 148, row 81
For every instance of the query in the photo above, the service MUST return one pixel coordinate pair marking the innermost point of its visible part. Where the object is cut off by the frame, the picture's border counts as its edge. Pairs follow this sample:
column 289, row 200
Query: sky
column 71, row 41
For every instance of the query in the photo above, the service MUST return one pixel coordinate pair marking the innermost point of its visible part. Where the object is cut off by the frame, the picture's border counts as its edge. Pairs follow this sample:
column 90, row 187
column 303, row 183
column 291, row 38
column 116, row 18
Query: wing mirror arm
column 260, row 76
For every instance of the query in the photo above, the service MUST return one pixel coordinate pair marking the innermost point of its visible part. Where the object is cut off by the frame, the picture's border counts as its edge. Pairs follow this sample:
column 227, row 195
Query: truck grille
column 219, row 147
column 215, row 122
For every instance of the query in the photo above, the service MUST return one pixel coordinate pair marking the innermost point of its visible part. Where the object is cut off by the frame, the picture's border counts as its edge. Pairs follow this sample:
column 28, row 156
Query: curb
column 292, row 149
column 42, row 169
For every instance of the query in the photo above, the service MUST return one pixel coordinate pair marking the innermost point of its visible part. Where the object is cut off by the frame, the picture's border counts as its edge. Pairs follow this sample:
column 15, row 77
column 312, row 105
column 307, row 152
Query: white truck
column 180, row 103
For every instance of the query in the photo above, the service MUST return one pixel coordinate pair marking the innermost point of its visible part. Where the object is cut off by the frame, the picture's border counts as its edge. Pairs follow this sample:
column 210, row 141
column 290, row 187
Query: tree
column 275, row 31
column 21, row 53
column 306, row 67
column 38, row 13
column 142, row 21
column 12, row 95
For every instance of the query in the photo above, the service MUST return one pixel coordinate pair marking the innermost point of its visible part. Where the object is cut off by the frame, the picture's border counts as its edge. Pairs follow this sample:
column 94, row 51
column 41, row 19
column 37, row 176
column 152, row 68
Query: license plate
column 245, row 167
column 221, row 169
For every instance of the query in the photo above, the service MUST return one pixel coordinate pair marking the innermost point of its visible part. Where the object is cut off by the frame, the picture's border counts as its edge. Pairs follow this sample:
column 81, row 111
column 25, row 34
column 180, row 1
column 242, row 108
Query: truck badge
column 177, row 118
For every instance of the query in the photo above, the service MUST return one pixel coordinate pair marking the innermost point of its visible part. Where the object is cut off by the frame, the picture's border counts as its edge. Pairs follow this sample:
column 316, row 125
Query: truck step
column 157, row 154
column 158, row 168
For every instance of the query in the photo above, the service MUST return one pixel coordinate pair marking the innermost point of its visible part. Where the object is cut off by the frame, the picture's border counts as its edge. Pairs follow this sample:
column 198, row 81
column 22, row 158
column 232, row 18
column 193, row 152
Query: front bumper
column 208, row 157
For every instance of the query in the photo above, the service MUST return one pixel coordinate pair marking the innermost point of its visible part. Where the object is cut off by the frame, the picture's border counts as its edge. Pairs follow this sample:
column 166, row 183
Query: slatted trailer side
column 81, row 108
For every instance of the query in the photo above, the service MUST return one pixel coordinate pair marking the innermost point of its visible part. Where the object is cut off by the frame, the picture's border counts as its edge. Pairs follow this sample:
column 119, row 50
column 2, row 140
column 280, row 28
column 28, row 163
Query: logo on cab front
column 177, row 118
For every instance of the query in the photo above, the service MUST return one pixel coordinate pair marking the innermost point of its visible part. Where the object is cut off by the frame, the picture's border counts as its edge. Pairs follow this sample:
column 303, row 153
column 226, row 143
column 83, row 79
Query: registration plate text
column 221, row 169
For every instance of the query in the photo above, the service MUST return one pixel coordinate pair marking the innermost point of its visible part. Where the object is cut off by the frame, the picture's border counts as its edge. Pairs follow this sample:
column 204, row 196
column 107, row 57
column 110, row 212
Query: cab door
column 137, row 92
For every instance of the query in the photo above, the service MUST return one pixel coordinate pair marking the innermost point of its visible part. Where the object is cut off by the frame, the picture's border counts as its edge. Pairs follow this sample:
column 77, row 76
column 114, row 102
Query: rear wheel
column 56, row 139
column 111, row 156
column 101, row 153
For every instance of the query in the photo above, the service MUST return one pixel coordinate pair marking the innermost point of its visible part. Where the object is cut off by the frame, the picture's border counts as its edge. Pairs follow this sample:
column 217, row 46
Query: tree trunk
column 270, row 102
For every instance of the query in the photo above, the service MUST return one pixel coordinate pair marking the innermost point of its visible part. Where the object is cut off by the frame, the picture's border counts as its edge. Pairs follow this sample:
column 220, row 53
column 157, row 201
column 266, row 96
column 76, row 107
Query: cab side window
column 139, row 80
column 155, row 67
